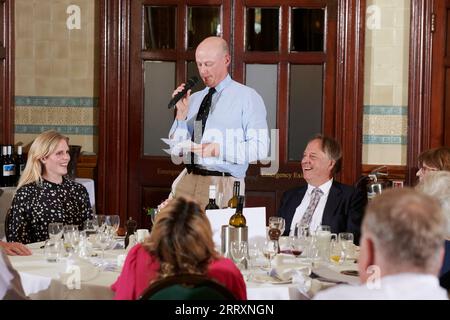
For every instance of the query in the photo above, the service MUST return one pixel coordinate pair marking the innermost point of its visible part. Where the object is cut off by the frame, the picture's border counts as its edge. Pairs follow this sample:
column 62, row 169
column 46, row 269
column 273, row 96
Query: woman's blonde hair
column 44, row 144
column 182, row 239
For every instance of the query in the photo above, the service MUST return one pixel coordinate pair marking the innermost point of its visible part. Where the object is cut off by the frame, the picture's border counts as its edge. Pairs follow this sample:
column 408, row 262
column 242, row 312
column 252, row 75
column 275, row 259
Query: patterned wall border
column 381, row 139
column 47, row 101
column 43, row 101
column 385, row 111
column 73, row 130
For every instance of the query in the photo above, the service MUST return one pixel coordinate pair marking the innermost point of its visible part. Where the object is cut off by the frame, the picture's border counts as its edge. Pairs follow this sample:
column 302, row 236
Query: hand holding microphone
column 180, row 94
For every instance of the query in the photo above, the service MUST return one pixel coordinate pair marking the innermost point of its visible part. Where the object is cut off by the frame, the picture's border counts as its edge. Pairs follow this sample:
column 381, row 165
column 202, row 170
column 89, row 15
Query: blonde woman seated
column 180, row 242
column 44, row 194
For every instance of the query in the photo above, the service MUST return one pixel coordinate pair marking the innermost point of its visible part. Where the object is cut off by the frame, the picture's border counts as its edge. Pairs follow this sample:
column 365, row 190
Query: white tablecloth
column 44, row 280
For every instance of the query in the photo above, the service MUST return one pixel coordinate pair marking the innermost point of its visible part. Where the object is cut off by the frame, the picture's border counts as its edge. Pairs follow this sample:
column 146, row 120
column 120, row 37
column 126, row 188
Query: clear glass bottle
column 233, row 202
column 212, row 199
column 238, row 220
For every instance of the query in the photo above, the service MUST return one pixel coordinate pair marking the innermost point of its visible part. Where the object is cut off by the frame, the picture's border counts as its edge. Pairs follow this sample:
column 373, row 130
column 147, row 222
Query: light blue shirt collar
column 222, row 84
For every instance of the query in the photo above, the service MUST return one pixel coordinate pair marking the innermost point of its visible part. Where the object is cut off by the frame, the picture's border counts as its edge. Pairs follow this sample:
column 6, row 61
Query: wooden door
column 167, row 59
column 164, row 35
column 429, row 80
column 441, row 74
column 6, row 73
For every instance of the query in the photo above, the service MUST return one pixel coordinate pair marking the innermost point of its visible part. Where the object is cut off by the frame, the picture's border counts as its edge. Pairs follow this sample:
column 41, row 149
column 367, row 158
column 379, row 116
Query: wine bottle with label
column 212, row 199
column 238, row 220
column 20, row 163
column 233, row 202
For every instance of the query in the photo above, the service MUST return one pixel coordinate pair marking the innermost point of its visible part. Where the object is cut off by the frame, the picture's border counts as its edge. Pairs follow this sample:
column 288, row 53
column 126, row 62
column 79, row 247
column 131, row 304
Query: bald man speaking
column 227, row 123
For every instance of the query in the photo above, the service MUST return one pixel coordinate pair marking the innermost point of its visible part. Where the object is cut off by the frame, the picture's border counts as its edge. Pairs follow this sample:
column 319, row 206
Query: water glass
column 55, row 230
column 71, row 238
column 346, row 244
column 90, row 226
column 301, row 230
column 253, row 254
column 53, row 250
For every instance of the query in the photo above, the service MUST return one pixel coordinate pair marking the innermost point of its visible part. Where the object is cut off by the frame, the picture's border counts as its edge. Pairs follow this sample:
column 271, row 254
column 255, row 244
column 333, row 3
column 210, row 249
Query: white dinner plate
column 263, row 278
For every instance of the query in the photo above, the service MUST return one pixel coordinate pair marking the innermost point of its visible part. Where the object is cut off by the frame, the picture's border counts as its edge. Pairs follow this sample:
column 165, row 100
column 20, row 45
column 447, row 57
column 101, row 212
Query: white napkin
column 285, row 273
column 307, row 286
column 78, row 270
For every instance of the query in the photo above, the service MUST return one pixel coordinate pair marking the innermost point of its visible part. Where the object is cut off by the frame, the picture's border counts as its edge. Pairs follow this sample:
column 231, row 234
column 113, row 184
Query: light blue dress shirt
column 237, row 122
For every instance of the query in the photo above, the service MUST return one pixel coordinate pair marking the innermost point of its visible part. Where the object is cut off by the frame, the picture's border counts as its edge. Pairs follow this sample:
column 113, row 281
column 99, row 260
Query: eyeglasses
column 425, row 168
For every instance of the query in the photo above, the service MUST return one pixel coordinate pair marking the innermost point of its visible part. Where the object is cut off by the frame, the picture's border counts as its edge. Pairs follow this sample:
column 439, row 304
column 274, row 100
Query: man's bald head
column 212, row 58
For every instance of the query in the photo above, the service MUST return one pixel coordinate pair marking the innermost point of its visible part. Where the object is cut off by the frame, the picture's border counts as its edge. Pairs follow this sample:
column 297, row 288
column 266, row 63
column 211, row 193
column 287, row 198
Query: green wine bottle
column 238, row 220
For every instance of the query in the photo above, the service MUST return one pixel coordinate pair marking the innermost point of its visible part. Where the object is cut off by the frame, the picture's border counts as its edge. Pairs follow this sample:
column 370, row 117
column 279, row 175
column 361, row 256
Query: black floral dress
column 36, row 205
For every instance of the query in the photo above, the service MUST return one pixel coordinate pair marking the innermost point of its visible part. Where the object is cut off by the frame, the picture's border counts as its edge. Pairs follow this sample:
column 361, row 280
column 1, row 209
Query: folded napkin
column 286, row 272
column 78, row 270
column 307, row 286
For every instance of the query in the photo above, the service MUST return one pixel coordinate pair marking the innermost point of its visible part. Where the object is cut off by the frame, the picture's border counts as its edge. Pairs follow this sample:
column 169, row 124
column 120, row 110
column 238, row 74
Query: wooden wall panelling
column 113, row 110
column 7, row 72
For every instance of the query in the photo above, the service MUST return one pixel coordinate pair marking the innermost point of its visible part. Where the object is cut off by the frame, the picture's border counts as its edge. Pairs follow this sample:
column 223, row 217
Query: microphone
column 189, row 84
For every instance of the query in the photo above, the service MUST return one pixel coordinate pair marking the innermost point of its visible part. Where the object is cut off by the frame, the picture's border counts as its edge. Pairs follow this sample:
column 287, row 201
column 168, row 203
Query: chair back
column 187, row 287
column 6, row 198
column 7, row 222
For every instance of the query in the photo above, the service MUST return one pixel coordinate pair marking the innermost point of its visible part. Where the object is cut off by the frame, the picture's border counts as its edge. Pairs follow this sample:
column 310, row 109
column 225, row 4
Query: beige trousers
column 197, row 187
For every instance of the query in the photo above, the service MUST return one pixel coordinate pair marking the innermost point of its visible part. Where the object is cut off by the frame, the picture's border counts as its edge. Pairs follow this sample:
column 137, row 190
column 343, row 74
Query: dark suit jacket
column 444, row 277
column 343, row 211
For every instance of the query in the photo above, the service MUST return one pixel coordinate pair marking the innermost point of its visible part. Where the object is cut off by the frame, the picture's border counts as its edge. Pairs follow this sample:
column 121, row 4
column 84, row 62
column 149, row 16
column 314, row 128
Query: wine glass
column 239, row 251
column 103, row 239
column 101, row 221
column 55, row 230
column 270, row 250
column 114, row 222
column 278, row 223
column 297, row 246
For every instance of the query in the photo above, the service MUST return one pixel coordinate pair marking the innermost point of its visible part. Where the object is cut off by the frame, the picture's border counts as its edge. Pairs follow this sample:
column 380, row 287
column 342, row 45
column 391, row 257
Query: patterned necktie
column 315, row 197
column 203, row 112
column 202, row 115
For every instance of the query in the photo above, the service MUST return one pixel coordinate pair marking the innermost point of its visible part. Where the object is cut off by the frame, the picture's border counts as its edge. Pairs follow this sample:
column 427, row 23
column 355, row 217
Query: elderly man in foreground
column 402, row 249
